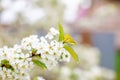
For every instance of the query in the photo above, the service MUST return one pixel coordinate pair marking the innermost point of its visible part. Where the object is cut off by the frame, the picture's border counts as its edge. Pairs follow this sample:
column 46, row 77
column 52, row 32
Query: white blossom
column 40, row 78
column 53, row 32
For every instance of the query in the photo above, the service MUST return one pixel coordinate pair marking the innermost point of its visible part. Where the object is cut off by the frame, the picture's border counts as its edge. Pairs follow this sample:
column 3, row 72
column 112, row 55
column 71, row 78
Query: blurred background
column 94, row 24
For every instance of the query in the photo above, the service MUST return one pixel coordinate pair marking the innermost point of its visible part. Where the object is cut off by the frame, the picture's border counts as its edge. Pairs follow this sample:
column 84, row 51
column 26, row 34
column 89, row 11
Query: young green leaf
column 69, row 40
column 5, row 63
column 8, row 66
column 39, row 63
column 61, row 31
column 72, row 52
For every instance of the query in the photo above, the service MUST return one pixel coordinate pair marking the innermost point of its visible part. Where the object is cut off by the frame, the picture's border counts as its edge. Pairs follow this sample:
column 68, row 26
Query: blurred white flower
column 53, row 32
column 40, row 78
column 33, row 15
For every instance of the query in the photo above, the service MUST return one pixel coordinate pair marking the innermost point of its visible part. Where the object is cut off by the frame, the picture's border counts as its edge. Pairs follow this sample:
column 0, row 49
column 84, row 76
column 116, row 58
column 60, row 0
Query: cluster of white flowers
column 16, row 62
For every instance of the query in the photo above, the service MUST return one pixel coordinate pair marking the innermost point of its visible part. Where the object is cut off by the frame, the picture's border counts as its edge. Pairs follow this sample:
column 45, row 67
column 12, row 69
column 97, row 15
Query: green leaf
column 72, row 52
column 8, row 66
column 39, row 63
column 61, row 31
column 4, row 61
